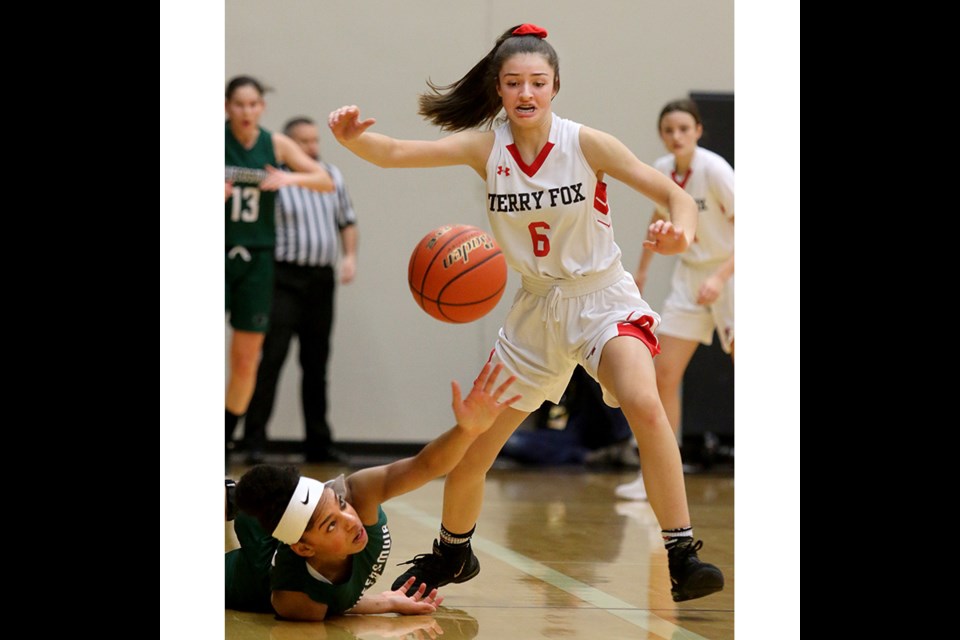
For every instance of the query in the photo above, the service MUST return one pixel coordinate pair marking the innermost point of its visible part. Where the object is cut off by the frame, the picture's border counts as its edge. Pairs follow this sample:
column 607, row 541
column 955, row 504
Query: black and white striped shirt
column 309, row 222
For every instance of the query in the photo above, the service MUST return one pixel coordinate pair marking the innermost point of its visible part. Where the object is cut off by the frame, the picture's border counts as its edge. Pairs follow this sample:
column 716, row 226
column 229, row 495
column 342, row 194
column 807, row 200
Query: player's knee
column 669, row 375
column 642, row 409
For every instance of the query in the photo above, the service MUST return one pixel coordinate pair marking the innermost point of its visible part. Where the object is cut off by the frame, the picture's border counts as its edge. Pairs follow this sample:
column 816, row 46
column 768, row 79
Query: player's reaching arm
column 646, row 255
column 606, row 154
column 469, row 148
column 721, row 180
column 296, row 605
column 368, row 488
column 418, row 603
column 710, row 289
column 307, row 172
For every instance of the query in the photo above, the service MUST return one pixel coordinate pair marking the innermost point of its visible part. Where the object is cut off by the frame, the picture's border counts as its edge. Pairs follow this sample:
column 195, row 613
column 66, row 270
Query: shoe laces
column 421, row 559
column 681, row 550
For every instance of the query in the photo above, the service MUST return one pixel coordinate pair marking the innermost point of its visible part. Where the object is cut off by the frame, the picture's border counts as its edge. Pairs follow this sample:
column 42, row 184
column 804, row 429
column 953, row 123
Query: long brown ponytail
column 472, row 101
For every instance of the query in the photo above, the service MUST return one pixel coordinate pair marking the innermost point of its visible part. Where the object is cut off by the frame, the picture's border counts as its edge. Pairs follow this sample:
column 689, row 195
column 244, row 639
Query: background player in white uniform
column 701, row 295
column 548, row 210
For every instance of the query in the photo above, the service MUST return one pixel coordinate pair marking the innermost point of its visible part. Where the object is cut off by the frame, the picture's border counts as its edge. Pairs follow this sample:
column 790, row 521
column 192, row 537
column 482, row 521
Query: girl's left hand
column 346, row 125
column 419, row 602
column 275, row 179
column 666, row 238
column 709, row 290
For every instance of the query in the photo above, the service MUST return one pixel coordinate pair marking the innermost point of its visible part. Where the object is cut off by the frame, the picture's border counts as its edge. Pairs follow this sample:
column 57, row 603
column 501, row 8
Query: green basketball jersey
column 290, row 572
column 249, row 211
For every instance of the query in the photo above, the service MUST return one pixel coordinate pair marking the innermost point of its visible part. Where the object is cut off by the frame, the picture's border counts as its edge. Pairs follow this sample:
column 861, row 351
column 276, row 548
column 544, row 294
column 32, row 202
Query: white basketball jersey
column 551, row 218
column 710, row 182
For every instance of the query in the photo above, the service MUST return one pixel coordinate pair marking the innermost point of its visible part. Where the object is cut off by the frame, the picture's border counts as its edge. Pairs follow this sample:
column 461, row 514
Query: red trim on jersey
column 532, row 169
column 600, row 198
column 641, row 330
column 683, row 184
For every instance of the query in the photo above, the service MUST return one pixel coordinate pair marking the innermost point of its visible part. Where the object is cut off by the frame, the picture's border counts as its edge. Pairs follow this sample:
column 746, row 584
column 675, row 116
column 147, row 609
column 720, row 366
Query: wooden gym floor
column 560, row 557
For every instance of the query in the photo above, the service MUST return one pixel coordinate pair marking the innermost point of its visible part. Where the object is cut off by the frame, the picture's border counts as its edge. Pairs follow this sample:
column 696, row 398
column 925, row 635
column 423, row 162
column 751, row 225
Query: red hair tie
column 530, row 30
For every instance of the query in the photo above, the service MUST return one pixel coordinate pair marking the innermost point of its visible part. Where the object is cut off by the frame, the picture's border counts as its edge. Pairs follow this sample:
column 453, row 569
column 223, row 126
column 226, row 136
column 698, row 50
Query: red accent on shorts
column 490, row 357
column 531, row 169
column 641, row 330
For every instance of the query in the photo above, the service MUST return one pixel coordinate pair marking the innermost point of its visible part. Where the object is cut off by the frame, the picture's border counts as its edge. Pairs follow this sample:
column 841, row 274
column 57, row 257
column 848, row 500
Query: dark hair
column 296, row 122
column 472, row 100
column 264, row 493
column 244, row 81
column 683, row 104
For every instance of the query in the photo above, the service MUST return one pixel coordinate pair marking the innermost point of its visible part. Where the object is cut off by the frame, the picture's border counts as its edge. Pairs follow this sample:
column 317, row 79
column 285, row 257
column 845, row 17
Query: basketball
column 457, row 273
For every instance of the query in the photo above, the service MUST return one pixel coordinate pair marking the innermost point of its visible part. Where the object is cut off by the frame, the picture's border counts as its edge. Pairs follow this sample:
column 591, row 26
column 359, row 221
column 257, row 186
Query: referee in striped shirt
column 314, row 231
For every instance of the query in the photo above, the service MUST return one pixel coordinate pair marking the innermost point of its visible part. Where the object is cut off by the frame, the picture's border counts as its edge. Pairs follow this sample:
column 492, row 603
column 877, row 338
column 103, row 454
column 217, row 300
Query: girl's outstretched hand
column 346, row 125
column 419, row 602
column 666, row 238
column 477, row 412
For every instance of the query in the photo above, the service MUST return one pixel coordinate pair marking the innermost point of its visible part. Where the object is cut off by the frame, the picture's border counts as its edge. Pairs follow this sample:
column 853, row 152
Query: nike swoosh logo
column 306, row 499
column 457, row 574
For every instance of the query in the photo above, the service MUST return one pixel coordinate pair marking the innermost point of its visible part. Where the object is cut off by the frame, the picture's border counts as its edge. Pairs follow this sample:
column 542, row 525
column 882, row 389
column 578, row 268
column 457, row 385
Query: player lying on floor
column 330, row 540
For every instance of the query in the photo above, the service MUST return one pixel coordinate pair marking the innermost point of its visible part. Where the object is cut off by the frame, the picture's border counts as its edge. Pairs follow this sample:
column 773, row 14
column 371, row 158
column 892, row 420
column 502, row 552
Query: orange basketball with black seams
column 457, row 273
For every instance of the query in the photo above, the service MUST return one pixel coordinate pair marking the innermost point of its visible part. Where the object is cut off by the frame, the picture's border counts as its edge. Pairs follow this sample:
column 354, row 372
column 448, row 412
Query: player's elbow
column 432, row 466
column 293, row 613
column 327, row 185
column 293, row 608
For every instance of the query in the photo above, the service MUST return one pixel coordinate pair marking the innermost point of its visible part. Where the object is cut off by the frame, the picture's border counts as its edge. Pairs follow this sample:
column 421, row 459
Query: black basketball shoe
column 438, row 570
column 689, row 576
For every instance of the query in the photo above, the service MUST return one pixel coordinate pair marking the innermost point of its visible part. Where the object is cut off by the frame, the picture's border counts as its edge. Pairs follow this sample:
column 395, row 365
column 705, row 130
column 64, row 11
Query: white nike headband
column 302, row 504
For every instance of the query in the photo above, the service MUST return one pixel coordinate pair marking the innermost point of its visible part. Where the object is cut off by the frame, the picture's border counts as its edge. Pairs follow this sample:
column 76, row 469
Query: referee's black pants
column 302, row 306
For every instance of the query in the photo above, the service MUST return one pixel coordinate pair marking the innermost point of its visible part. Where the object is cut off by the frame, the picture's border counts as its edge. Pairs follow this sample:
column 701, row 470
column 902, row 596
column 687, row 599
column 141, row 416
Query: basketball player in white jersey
column 547, row 206
column 701, row 295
